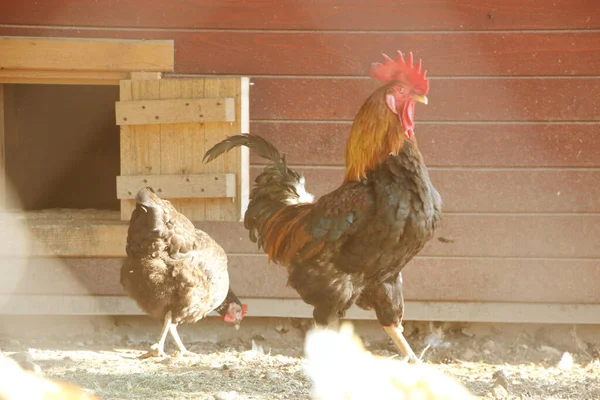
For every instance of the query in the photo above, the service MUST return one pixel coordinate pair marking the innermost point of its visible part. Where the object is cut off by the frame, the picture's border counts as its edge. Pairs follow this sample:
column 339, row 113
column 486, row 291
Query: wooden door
column 166, row 127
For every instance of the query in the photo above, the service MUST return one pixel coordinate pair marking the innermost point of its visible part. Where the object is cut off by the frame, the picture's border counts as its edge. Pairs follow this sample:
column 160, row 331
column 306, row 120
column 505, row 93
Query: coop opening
column 61, row 146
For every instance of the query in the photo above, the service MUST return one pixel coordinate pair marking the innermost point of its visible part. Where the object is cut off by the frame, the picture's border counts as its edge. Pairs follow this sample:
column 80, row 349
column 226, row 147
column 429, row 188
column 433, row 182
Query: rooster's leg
column 182, row 350
column 395, row 332
column 158, row 349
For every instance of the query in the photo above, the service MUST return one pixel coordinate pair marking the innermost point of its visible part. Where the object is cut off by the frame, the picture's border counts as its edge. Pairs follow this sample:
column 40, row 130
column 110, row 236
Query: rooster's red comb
column 401, row 70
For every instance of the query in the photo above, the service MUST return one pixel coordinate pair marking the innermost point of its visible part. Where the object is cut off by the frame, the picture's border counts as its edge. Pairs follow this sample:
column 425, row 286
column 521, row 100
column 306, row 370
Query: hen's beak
column 237, row 327
column 420, row 98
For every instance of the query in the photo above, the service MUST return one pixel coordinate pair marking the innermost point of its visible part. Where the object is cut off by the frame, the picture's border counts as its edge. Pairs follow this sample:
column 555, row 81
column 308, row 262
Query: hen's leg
column 182, row 350
column 158, row 349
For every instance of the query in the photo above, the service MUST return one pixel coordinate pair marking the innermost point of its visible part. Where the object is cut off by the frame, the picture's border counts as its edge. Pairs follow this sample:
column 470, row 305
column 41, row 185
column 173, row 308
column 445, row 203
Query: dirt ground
column 264, row 359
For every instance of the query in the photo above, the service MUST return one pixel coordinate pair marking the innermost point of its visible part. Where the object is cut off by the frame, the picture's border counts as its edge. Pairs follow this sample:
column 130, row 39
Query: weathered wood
column 342, row 54
column 2, row 152
column 496, row 235
column 140, row 76
column 477, row 117
column 451, row 100
column 315, row 15
column 456, row 278
column 27, row 53
column 140, row 144
column 175, row 111
column 177, row 149
column 178, row 186
column 235, row 160
column 447, row 145
column 502, row 190
column 62, row 77
column 414, row 310
column 179, row 145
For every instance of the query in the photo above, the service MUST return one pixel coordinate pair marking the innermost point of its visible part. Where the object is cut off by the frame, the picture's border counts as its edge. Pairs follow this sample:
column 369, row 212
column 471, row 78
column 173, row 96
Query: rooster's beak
column 420, row 98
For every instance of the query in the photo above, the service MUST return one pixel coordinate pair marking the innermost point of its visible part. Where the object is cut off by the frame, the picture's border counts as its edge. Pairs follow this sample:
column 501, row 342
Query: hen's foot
column 155, row 351
column 185, row 353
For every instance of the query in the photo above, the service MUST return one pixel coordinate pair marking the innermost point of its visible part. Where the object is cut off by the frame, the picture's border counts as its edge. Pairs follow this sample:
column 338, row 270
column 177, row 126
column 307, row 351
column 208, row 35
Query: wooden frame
column 175, row 111
column 179, row 186
column 291, row 308
column 85, row 233
column 80, row 61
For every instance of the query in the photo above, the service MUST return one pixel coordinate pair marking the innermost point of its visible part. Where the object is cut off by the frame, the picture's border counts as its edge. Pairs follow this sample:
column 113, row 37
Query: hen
column 351, row 245
column 173, row 271
column 340, row 368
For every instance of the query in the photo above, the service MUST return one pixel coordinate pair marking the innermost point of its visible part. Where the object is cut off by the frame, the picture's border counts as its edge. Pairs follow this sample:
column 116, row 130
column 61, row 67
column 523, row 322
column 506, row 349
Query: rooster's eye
column 401, row 90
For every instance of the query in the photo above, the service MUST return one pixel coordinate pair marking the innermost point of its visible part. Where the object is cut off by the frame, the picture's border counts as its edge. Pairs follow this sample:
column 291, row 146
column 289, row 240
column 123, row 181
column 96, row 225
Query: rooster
column 350, row 246
column 175, row 272
column 341, row 368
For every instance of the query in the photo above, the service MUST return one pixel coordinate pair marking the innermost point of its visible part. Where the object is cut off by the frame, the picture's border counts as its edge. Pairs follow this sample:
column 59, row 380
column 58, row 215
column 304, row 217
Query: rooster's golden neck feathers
column 386, row 119
column 376, row 133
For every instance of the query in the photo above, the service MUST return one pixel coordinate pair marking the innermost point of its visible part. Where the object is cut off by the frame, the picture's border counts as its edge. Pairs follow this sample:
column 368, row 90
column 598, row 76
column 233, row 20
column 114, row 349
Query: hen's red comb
column 401, row 70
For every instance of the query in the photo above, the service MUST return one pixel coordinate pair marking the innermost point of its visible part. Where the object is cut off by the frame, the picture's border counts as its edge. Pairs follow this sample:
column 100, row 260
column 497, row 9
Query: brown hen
column 175, row 272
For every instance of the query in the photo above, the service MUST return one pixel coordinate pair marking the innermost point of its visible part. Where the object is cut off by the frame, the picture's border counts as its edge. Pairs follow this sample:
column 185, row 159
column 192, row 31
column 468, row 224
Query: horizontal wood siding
column 350, row 54
column 511, row 133
column 429, row 278
column 374, row 15
column 452, row 144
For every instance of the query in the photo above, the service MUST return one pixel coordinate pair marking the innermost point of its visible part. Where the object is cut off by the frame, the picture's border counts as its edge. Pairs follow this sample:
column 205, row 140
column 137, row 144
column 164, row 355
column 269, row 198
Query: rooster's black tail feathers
column 259, row 145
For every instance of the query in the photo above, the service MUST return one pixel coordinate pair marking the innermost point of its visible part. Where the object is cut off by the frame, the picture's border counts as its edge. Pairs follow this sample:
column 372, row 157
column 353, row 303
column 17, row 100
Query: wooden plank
column 62, row 77
column 453, row 100
column 496, row 235
column 235, row 160
column 457, row 279
column 344, row 54
column 491, row 190
column 548, row 53
column 178, row 144
column 140, row 76
column 178, row 186
column 140, row 144
column 175, row 111
column 282, row 308
column 508, row 312
column 447, row 145
column 2, row 152
column 316, row 15
column 22, row 53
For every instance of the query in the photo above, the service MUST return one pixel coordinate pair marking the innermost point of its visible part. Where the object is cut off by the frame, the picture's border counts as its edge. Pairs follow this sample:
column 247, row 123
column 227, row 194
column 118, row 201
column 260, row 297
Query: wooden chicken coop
column 97, row 101
column 165, row 126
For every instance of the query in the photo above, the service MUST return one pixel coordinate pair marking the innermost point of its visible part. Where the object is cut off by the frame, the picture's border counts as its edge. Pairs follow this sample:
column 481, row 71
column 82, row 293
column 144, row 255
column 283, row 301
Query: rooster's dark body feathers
column 350, row 245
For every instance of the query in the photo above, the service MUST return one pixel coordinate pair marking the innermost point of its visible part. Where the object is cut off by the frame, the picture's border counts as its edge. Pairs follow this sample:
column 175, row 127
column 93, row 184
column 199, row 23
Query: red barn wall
column 511, row 133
